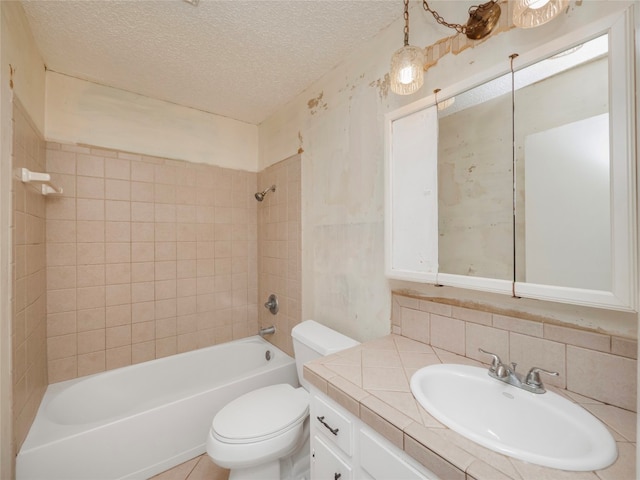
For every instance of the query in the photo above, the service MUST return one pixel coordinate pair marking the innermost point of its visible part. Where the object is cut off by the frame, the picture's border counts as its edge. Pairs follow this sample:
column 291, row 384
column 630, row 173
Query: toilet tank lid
column 322, row 339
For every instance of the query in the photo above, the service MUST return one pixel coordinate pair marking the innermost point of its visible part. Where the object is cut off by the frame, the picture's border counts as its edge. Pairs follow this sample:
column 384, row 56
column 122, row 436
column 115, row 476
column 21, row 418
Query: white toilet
column 264, row 434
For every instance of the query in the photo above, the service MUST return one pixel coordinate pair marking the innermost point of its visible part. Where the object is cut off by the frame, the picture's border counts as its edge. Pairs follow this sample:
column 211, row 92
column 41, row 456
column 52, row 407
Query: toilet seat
column 261, row 414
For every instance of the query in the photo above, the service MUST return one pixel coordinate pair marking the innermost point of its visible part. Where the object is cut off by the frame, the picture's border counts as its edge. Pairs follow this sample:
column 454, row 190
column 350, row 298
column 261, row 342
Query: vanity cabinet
column 343, row 447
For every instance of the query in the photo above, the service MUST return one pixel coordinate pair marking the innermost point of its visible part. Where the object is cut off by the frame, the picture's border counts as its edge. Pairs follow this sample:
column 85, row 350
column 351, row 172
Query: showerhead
column 260, row 195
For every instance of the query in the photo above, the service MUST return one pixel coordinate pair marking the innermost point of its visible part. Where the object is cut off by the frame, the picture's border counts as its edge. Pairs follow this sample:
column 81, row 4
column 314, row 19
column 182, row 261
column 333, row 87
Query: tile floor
column 199, row 468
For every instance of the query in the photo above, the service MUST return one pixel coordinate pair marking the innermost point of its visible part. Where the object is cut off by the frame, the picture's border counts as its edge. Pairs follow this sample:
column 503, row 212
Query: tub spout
column 267, row 331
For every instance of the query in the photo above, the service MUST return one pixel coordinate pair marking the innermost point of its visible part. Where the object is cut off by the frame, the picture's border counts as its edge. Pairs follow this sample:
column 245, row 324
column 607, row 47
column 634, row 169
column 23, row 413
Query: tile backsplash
column 590, row 363
column 146, row 257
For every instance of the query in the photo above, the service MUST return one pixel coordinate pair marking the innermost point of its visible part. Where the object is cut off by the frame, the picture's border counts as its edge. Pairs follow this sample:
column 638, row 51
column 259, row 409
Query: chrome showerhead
column 260, row 195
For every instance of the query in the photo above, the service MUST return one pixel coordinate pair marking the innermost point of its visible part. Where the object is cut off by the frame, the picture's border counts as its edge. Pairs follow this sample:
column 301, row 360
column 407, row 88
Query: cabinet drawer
column 334, row 425
column 379, row 460
column 326, row 464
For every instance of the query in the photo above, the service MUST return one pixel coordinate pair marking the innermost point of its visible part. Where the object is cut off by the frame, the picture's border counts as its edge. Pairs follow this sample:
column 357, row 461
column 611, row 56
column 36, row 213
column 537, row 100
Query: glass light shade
column 407, row 70
column 533, row 13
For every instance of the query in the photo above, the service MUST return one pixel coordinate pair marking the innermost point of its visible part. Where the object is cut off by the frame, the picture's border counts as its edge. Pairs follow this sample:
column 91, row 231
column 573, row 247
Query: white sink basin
column 545, row 429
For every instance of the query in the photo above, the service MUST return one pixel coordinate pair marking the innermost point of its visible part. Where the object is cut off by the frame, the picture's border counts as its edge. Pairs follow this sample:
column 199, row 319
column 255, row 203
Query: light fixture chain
column 406, row 22
column 456, row 26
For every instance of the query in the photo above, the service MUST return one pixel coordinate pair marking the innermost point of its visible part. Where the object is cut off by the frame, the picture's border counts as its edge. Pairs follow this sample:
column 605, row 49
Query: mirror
column 475, row 182
column 576, row 173
column 536, row 176
column 563, row 208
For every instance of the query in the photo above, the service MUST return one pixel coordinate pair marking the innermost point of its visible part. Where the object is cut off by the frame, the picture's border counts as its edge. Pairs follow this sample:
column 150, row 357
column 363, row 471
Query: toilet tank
column 312, row 340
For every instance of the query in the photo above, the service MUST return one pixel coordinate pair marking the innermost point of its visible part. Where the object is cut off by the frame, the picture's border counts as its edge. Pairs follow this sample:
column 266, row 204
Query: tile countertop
column 372, row 382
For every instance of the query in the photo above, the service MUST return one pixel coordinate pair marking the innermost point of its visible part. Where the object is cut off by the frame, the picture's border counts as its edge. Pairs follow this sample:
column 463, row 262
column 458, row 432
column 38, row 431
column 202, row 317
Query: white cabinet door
column 382, row 461
column 327, row 464
column 355, row 450
column 333, row 423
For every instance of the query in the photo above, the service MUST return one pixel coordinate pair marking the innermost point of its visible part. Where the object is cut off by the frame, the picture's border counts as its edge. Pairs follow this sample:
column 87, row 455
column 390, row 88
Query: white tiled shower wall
column 590, row 363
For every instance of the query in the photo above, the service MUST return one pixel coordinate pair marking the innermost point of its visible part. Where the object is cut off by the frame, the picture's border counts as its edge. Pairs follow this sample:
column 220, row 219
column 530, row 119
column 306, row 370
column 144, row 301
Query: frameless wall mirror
column 535, row 191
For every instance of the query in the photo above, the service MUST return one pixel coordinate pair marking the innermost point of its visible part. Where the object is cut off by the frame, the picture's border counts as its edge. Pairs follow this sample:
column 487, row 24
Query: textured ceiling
column 236, row 58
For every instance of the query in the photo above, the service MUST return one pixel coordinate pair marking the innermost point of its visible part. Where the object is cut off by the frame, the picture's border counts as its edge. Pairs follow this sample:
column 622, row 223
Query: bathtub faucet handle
column 272, row 304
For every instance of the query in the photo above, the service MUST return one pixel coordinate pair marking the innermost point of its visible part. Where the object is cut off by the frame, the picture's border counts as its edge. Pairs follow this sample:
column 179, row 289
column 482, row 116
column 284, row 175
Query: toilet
column 264, row 434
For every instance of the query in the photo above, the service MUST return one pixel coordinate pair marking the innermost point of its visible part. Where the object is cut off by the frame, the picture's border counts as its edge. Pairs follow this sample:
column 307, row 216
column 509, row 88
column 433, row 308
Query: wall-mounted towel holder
column 44, row 179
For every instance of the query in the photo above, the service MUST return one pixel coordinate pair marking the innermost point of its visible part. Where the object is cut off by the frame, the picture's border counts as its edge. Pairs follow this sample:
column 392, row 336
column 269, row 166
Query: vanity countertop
column 371, row 381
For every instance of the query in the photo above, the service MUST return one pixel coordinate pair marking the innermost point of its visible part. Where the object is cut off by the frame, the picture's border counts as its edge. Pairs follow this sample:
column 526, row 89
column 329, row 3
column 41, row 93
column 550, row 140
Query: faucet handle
column 533, row 377
column 496, row 364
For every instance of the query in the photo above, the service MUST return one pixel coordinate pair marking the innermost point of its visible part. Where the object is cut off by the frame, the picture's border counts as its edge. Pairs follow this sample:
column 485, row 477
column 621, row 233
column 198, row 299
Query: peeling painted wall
column 81, row 112
column 338, row 123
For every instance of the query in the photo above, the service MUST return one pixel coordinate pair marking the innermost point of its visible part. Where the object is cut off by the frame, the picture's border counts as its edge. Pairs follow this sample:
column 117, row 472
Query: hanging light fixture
column 482, row 19
column 533, row 13
column 407, row 63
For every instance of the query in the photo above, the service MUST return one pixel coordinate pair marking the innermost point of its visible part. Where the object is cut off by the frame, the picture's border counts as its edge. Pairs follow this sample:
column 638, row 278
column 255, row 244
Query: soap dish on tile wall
column 44, row 179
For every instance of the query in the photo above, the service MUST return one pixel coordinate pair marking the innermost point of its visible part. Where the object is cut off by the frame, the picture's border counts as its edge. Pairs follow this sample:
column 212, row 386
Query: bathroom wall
column 338, row 124
column 21, row 76
column 590, row 363
column 28, row 273
column 82, row 112
column 279, row 249
column 146, row 257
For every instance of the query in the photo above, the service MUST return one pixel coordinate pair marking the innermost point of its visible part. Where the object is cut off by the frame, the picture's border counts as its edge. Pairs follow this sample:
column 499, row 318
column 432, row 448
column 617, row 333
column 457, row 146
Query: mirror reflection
column 562, row 187
column 475, row 182
column 563, row 207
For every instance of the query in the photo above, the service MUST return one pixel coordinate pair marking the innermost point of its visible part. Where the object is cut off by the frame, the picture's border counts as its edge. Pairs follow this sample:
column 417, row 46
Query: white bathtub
column 137, row 421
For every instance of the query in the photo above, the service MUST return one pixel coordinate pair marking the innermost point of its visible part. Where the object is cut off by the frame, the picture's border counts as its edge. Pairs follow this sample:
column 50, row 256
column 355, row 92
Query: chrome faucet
column 530, row 382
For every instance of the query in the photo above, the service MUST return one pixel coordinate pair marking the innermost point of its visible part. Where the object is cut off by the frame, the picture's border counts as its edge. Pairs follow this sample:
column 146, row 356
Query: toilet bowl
column 264, row 434
column 259, row 427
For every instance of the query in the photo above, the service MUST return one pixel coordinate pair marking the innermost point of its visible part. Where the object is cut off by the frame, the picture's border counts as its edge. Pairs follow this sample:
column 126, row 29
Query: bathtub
column 137, row 421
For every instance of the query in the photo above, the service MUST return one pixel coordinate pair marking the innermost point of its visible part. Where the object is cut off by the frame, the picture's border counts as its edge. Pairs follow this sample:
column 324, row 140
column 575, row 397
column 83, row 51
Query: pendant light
column 407, row 63
column 533, row 13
